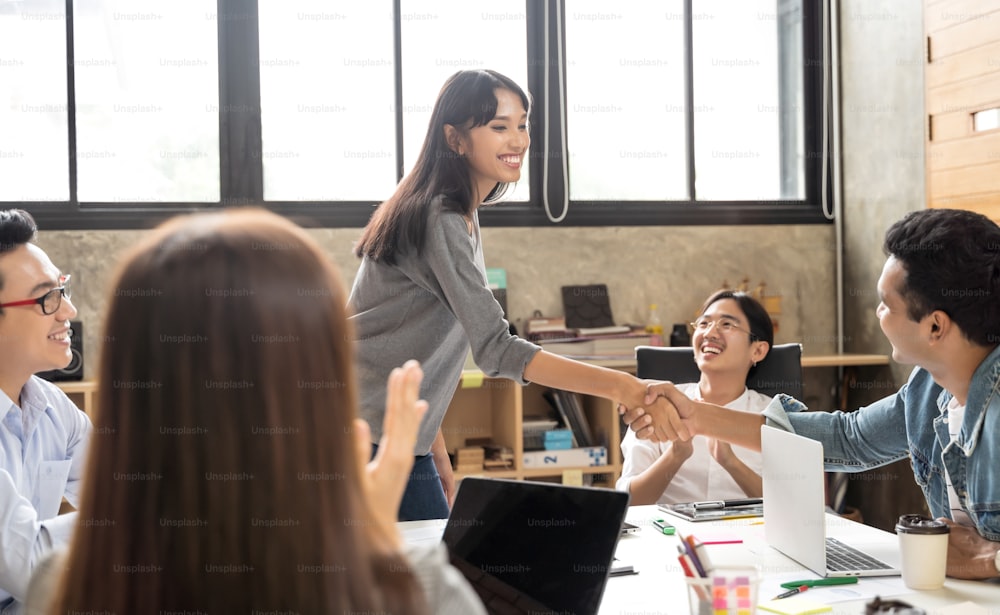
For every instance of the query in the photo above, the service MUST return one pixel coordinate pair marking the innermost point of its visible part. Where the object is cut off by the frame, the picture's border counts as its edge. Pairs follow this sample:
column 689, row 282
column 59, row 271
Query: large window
column 33, row 118
column 147, row 127
column 123, row 112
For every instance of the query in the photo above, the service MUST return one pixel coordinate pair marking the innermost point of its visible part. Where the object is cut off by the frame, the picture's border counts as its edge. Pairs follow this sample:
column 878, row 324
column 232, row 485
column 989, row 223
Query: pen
column 700, row 554
column 820, row 582
column 688, row 567
column 791, row 592
column 727, row 503
column 692, row 556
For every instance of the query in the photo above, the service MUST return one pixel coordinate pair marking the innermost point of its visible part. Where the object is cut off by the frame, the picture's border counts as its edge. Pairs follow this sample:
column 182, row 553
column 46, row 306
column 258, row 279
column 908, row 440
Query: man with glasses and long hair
column 733, row 334
column 43, row 435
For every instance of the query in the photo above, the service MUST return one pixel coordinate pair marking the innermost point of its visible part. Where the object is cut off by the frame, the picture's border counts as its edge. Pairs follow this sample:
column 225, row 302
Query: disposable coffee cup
column 923, row 547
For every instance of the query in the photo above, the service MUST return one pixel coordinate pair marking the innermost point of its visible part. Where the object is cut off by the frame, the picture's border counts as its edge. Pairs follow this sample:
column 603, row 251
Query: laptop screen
column 537, row 546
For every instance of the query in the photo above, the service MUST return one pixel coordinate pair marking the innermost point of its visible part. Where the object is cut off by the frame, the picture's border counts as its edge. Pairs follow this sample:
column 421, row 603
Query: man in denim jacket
column 940, row 311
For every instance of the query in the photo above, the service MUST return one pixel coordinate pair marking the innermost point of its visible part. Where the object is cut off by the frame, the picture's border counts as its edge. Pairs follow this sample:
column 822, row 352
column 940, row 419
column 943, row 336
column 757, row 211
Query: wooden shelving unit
column 83, row 394
column 495, row 408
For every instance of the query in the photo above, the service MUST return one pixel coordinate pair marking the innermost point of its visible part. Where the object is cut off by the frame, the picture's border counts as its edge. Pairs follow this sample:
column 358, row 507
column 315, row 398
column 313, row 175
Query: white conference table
column 659, row 587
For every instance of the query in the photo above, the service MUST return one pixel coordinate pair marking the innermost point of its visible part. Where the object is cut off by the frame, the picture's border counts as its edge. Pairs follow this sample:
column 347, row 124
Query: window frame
column 241, row 162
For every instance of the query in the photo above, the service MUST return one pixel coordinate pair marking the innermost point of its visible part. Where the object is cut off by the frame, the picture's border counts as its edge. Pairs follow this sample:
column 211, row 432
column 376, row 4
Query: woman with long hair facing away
column 731, row 337
column 421, row 291
column 228, row 471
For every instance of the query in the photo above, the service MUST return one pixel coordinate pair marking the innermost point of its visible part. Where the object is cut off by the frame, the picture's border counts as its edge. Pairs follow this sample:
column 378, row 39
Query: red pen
column 696, row 567
column 688, row 568
column 791, row 592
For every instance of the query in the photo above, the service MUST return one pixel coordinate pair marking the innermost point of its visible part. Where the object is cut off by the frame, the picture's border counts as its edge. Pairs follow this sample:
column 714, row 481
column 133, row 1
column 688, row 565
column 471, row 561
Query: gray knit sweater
column 431, row 307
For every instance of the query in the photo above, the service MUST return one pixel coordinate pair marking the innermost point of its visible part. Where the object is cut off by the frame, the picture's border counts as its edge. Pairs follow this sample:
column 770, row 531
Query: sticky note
column 573, row 478
column 472, row 379
column 796, row 605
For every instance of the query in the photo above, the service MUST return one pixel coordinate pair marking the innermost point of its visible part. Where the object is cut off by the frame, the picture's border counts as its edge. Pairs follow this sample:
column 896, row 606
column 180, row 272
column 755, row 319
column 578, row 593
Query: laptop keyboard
column 843, row 558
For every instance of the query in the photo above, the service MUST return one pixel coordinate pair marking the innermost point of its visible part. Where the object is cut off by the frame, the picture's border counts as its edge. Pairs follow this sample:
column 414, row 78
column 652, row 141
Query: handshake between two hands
column 666, row 414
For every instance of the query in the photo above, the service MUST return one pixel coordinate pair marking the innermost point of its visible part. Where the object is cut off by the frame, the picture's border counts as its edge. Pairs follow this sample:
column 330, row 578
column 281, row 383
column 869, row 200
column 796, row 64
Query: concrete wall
column 675, row 268
column 882, row 74
column 883, row 143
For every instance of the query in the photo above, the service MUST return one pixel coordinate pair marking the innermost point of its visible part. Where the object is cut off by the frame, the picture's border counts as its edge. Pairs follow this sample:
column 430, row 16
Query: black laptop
column 535, row 547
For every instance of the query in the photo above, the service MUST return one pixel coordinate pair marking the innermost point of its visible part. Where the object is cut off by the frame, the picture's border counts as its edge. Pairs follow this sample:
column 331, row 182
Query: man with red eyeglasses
column 43, row 435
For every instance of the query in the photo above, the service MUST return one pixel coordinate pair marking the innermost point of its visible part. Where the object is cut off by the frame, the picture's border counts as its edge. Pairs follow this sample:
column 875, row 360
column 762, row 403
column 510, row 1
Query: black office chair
column 779, row 372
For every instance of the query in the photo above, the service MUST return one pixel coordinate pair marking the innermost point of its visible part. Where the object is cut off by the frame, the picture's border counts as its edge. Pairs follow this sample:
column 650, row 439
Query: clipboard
column 688, row 512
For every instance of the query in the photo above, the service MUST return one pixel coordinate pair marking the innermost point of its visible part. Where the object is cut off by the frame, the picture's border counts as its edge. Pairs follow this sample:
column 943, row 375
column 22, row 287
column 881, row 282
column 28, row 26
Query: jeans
column 424, row 496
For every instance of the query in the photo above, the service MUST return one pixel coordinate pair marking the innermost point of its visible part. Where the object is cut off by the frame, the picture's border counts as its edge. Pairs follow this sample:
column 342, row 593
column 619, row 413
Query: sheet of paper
column 965, row 608
column 865, row 589
column 430, row 533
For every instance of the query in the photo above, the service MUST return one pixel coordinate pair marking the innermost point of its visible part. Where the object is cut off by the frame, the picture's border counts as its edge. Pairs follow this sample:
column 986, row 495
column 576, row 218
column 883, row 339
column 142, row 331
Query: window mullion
column 689, row 98
column 71, row 106
column 397, row 51
column 241, row 169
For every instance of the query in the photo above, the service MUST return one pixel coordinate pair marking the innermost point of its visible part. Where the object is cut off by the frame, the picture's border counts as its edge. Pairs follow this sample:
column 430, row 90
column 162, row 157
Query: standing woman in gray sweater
column 421, row 292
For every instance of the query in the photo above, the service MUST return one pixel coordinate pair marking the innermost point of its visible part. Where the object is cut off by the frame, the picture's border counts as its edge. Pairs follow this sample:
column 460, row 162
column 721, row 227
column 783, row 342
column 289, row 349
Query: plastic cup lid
column 919, row 524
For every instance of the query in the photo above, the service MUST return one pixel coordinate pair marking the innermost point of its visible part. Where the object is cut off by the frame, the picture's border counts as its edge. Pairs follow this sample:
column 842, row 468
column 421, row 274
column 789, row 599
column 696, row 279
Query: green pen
column 820, row 582
column 664, row 527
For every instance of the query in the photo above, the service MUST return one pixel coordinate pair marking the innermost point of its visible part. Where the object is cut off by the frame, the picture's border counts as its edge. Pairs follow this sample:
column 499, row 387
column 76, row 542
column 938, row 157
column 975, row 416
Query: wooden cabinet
column 495, row 408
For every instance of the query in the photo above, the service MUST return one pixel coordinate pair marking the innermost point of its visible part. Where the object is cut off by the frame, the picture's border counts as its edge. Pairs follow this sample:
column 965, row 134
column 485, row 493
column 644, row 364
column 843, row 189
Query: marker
column 791, row 592
column 664, row 527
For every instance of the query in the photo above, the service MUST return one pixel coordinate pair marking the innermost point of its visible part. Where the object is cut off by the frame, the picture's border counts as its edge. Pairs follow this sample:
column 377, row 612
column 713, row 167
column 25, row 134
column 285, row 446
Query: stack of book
column 498, row 457
column 547, row 328
column 469, row 459
column 605, row 343
column 558, row 440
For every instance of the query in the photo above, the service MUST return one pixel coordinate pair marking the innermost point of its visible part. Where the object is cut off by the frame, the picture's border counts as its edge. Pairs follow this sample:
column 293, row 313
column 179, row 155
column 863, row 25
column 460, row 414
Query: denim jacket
column 914, row 422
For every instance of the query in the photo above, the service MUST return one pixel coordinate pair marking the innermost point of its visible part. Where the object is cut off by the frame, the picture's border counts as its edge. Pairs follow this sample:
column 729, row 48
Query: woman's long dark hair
column 468, row 99
column 224, row 475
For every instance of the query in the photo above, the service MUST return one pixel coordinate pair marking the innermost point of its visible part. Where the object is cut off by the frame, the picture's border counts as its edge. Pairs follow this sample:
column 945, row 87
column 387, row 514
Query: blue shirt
column 914, row 422
column 43, row 442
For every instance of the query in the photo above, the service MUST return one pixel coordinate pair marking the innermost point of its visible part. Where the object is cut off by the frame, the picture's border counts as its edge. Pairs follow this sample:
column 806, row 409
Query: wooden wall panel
column 967, row 95
column 965, row 181
column 941, row 15
column 980, row 29
column 976, row 150
column 953, row 125
column 986, row 204
column 968, row 64
column 962, row 76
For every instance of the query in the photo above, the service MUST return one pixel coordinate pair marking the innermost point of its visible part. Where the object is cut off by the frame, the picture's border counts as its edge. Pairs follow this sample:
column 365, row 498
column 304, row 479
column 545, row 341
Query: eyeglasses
column 50, row 301
column 725, row 325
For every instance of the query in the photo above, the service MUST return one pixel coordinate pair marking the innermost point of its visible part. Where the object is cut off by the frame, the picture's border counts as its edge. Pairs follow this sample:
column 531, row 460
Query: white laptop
column 795, row 512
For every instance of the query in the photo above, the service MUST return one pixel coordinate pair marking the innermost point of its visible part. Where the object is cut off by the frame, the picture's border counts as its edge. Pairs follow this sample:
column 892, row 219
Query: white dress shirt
column 701, row 477
column 43, row 444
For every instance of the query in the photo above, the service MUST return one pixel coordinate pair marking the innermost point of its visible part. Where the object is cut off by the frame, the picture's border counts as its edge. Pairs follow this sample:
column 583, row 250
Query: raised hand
column 721, row 451
column 387, row 474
